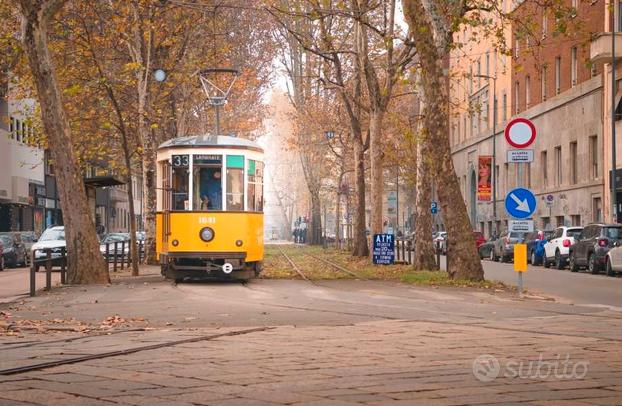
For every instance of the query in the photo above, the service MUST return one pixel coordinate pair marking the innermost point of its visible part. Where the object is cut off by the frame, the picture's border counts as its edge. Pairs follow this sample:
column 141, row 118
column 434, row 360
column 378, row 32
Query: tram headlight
column 238, row 243
column 206, row 234
column 175, row 243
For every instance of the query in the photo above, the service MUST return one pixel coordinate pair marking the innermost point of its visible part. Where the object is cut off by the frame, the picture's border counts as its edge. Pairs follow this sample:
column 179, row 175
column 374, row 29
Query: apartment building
column 549, row 79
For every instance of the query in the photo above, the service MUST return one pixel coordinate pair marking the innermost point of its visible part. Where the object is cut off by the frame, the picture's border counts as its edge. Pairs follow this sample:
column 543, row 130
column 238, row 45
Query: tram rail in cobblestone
column 75, row 360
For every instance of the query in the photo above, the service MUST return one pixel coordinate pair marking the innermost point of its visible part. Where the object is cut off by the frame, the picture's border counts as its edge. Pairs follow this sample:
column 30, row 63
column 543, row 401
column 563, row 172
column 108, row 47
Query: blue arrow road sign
column 520, row 203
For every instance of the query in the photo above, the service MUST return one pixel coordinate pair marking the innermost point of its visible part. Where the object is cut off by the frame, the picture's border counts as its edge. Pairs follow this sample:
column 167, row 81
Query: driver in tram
column 211, row 199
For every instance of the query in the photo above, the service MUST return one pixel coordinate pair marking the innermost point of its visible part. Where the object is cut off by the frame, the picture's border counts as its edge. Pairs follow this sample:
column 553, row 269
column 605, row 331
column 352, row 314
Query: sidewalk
column 147, row 341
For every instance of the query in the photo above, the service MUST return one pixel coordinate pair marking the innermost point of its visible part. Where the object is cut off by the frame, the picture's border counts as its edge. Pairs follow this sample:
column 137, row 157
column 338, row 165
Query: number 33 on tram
column 209, row 221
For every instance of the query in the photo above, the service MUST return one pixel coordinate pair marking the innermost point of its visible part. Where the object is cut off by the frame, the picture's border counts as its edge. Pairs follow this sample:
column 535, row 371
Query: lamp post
column 494, row 147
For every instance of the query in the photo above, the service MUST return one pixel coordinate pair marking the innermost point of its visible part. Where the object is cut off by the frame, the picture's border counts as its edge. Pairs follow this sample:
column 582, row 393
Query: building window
column 546, row 223
column 558, row 165
column 505, row 107
column 516, row 48
column 576, row 220
column 597, row 210
column 528, row 91
column 545, row 25
column 573, row 163
column 517, row 100
column 479, row 73
column 506, row 171
column 573, row 66
column 543, row 83
column 487, row 64
column 560, row 221
column 558, row 73
column 545, row 171
column 12, row 127
column 593, row 156
column 496, row 178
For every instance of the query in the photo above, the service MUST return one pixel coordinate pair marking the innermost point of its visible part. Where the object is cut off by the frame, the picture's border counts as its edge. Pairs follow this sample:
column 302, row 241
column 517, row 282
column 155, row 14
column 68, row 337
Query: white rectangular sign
column 520, row 155
column 521, row 226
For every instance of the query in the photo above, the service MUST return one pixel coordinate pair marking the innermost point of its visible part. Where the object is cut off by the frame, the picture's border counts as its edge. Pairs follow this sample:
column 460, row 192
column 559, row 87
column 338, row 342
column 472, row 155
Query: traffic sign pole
column 520, row 203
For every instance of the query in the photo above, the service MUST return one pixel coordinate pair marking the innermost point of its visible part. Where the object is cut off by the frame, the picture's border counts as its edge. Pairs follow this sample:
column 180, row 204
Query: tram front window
column 235, row 182
column 207, row 188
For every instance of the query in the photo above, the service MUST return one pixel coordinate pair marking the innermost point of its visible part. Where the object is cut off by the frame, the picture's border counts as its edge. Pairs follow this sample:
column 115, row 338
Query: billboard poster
column 484, row 178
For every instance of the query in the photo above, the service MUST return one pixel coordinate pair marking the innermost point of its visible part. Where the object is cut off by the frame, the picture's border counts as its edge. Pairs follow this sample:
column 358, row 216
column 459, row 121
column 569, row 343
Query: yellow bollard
column 520, row 257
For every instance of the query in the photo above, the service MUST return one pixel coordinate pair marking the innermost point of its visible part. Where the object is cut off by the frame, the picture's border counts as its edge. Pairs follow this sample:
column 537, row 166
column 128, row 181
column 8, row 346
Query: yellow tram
column 209, row 220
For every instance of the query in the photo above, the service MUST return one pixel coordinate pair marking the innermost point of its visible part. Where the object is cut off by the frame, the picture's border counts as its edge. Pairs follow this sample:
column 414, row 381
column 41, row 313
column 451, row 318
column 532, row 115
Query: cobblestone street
column 368, row 350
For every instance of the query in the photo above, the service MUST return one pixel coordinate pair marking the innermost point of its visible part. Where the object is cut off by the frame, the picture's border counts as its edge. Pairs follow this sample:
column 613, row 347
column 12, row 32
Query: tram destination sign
column 384, row 249
column 207, row 159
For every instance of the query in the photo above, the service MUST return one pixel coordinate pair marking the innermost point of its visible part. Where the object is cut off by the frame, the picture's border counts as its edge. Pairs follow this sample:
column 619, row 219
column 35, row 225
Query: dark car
column 535, row 242
column 592, row 245
column 504, row 246
column 13, row 251
column 486, row 250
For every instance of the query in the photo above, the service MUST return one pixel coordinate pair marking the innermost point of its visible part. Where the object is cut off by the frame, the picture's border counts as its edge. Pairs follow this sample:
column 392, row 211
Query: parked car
column 13, row 252
column 593, row 245
column 557, row 249
column 440, row 242
column 613, row 262
column 479, row 238
column 53, row 238
column 504, row 246
column 108, row 241
column 486, row 249
column 27, row 238
column 535, row 245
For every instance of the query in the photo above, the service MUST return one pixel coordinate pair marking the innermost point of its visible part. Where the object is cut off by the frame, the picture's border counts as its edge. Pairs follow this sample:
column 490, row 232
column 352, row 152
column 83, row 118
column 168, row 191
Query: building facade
column 22, row 180
column 549, row 78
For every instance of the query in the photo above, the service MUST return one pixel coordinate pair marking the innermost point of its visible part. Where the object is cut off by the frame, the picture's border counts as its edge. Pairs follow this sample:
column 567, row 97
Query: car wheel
column 1, row 263
column 591, row 264
column 546, row 262
column 559, row 262
column 573, row 264
column 534, row 260
column 610, row 271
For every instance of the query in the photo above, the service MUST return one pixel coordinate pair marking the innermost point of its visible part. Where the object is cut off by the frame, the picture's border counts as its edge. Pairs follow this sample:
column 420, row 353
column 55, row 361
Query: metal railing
column 119, row 260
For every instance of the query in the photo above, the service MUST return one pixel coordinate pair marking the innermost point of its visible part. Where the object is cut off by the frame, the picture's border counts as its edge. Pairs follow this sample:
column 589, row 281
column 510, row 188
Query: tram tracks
column 317, row 258
column 126, row 351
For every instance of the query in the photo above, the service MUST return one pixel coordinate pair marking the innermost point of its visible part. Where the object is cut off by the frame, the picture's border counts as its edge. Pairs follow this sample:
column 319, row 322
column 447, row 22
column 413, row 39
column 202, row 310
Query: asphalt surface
column 579, row 288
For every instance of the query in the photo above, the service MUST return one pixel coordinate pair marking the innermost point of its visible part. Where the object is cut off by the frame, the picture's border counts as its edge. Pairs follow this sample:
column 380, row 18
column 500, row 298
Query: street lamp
column 494, row 145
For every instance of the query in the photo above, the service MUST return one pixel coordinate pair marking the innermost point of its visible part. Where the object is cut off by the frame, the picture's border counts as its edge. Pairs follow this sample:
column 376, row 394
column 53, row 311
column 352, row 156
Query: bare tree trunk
column 430, row 39
column 377, row 175
column 359, row 236
column 85, row 264
column 149, row 192
column 338, row 209
column 314, row 228
column 424, row 246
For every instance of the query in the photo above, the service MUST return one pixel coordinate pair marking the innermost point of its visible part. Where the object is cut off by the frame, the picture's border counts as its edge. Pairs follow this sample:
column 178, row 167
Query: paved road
column 15, row 283
column 337, row 342
column 579, row 288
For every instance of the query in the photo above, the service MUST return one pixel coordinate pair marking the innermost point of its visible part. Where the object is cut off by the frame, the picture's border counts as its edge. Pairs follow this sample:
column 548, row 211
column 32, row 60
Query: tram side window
column 235, row 182
column 180, row 188
column 255, row 185
column 207, row 180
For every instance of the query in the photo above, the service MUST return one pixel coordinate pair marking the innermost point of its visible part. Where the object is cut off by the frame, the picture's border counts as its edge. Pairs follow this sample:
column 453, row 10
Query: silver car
column 503, row 248
column 613, row 260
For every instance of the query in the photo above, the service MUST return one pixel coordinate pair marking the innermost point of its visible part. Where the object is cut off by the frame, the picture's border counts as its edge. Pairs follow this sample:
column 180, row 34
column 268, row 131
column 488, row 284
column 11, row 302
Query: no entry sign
column 520, row 133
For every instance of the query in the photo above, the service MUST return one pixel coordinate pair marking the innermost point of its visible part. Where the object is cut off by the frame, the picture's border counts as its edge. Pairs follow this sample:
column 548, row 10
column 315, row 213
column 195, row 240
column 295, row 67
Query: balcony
column 600, row 48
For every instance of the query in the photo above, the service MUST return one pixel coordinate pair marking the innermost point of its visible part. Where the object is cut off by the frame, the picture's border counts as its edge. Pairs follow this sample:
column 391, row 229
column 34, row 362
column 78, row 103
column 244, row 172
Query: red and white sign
column 520, row 133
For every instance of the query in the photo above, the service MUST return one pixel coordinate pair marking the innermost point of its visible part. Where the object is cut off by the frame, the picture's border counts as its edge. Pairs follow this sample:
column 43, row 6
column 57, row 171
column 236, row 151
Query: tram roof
column 206, row 141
